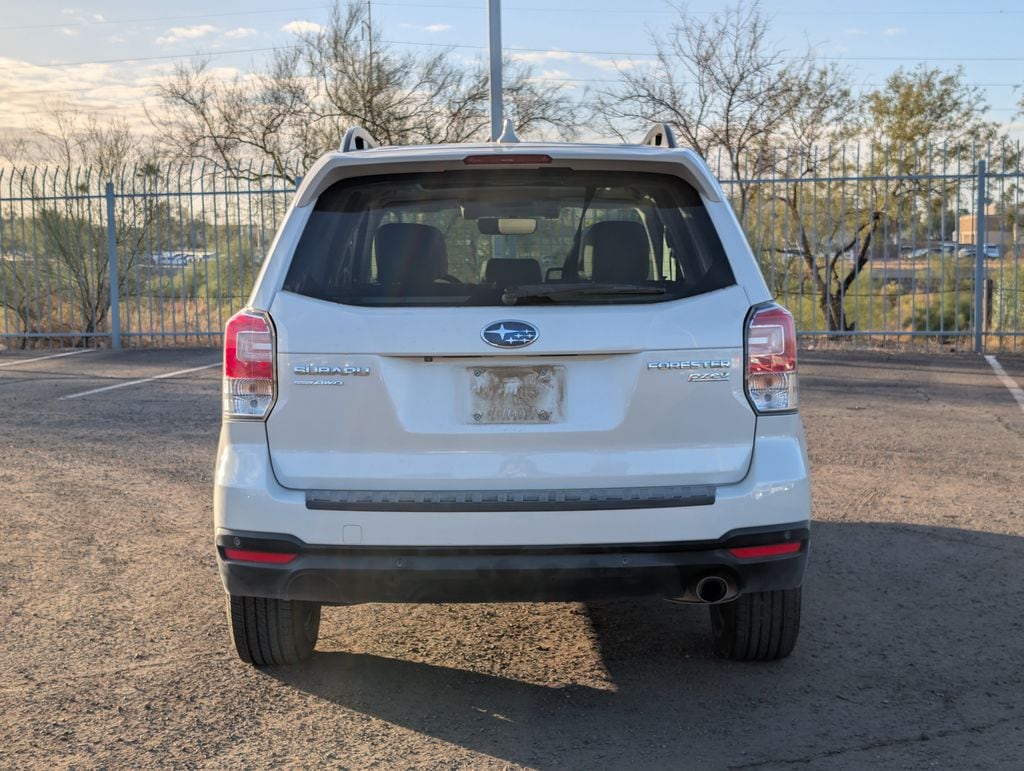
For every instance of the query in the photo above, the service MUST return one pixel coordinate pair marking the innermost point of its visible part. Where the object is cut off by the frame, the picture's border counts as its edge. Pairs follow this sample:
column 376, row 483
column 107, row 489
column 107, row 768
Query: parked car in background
column 178, row 259
column 990, row 251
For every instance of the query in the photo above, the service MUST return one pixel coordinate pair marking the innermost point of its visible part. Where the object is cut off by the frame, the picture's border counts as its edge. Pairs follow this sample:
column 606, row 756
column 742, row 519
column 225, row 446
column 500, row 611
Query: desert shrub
column 951, row 316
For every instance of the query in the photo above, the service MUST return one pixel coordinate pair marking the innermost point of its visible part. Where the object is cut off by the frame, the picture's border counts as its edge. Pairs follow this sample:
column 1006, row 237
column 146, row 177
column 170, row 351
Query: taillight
column 248, row 365
column 771, row 359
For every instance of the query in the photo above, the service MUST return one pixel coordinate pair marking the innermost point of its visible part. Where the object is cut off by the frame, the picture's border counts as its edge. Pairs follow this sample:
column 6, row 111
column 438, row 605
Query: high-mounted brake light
column 248, row 365
column 505, row 159
column 771, row 359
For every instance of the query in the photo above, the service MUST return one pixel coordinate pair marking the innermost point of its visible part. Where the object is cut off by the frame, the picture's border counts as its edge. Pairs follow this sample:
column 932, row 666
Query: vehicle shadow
column 909, row 633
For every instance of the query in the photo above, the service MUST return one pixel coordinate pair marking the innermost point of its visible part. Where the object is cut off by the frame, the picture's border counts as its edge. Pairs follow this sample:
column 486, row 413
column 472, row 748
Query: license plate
column 516, row 394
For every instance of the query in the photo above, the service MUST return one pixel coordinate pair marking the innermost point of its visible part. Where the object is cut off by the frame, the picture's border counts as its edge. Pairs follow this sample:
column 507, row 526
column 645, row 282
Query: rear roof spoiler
column 358, row 138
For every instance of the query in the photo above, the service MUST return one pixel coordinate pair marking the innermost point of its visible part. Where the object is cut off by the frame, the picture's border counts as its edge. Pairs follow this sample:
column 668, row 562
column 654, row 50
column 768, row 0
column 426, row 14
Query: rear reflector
column 505, row 160
column 266, row 557
column 769, row 550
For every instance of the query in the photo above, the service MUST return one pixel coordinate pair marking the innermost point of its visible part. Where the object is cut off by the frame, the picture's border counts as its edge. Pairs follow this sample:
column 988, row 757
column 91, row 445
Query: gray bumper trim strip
column 584, row 499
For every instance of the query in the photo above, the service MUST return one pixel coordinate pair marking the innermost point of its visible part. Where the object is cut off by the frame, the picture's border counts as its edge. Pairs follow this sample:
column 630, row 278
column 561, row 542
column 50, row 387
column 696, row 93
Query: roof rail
column 357, row 138
column 660, row 135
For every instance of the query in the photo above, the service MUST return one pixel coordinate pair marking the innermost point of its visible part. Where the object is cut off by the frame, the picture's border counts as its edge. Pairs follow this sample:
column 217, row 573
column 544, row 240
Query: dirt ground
column 115, row 650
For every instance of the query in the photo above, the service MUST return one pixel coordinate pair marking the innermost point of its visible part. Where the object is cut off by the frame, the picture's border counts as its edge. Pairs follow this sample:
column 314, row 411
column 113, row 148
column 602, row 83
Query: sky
column 106, row 57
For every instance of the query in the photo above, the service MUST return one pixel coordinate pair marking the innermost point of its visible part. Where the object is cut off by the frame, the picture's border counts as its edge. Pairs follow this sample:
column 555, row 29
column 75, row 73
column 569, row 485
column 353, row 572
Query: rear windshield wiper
column 512, row 295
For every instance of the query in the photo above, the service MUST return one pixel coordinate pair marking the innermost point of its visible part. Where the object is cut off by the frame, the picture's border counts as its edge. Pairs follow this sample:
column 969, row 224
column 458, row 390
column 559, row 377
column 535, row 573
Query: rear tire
column 762, row 626
column 273, row 632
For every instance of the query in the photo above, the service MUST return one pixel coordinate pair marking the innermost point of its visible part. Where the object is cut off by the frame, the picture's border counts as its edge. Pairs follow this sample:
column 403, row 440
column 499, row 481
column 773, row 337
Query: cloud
column 437, row 27
column 608, row 64
column 82, row 17
column 536, row 57
column 300, row 27
column 892, row 31
column 240, row 32
column 123, row 91
column 27, row 90
column 178, row 34
column 69, row 31
column 611, row 64
column 559, row 77
column 853, row 31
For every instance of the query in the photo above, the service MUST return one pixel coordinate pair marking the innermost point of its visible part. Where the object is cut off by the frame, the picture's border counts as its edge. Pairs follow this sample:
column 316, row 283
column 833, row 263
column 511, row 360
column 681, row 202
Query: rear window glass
column 508, row 237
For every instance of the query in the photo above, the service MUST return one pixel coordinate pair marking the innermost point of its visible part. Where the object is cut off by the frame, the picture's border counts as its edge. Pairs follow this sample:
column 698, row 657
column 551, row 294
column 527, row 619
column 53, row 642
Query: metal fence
column 860, row 243
column 863, row 242
column 148, row 256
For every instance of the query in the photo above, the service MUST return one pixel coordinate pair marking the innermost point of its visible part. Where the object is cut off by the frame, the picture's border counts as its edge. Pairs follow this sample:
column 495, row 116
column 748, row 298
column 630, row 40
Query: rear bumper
column 248, row 498
column 350, row 575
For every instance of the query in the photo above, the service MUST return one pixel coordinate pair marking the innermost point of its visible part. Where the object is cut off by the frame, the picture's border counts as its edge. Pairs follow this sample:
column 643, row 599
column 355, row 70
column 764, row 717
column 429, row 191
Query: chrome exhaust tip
column 713, row 589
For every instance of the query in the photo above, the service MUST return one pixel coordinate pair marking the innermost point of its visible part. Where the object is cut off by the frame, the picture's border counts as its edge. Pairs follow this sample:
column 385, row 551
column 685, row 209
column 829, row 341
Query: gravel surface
column 115, row 647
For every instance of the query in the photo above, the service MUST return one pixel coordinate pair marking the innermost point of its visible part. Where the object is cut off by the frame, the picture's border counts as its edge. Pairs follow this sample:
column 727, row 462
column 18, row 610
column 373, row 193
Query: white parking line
column 141, row 380
column 42, row 358
column 1009, row 382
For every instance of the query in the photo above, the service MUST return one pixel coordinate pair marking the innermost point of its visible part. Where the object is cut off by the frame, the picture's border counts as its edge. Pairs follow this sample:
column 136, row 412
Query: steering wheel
column 449, row 279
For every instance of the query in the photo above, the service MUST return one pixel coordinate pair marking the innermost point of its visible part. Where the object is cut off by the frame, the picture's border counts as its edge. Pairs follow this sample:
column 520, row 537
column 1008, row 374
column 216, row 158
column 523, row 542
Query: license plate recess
column 514, row 395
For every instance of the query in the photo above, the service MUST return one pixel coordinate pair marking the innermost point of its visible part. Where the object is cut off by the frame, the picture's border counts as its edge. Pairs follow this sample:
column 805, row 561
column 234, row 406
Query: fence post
column 979, row 261
column 115, row 290
column 989, row 285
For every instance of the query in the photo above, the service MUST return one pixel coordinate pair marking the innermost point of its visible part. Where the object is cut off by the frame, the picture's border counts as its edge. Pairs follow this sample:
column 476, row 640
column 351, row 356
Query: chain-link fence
column 858, row 242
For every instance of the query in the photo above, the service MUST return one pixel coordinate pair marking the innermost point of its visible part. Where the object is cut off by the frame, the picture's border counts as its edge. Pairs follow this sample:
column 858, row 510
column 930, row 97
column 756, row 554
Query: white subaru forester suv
column 511, row 372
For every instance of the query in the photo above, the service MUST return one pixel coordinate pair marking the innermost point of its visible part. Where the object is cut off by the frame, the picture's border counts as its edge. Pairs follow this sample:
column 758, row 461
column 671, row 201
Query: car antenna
column 508, row 136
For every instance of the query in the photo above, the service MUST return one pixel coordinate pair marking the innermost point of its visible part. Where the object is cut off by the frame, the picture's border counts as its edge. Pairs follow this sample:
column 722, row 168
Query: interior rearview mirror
column 507, row 226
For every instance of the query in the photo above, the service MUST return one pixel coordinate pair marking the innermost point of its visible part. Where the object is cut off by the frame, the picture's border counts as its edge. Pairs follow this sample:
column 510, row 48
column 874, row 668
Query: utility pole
column 494, row 30
column 369, row 33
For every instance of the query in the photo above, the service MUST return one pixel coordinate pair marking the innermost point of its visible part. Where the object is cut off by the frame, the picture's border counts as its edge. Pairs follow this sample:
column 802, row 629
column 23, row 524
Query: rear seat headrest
column 508, row 271
column 408, row 252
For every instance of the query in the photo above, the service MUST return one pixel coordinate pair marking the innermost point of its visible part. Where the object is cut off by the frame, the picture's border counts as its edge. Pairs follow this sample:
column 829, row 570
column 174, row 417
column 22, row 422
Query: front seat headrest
column 622, row 252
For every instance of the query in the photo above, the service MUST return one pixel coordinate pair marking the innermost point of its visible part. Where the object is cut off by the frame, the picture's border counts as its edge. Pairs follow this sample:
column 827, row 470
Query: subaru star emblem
column 509, row 334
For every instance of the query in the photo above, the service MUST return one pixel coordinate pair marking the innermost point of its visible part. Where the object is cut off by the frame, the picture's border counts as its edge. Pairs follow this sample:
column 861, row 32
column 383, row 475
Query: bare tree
column 299, row 105
column 67, row 253
column 908, row 128
column 807, row 160
column 70, row 138
column 725, row 87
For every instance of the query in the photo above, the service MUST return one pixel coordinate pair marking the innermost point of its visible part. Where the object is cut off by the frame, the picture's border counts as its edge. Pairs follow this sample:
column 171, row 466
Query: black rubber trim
column 357, row 574
column 584, row 499
column 345, row 575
